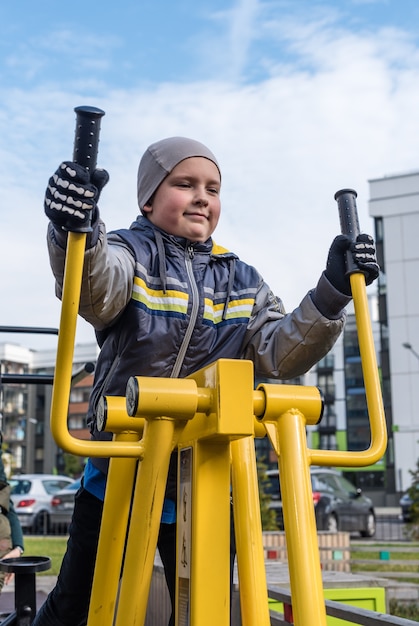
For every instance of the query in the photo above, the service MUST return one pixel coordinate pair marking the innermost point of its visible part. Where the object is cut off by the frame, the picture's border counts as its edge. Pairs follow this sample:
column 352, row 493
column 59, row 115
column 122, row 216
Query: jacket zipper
column 189, row 255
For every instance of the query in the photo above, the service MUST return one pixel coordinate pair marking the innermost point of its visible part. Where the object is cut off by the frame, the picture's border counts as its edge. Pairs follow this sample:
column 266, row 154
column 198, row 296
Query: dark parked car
column 62, row 506
column 338, row 505
column 406, row 503
column 31, row 495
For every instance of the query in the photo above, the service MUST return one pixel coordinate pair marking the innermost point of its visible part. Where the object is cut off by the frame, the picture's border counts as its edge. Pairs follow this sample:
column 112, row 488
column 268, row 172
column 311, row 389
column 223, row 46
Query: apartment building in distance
column 25, row 406
column 394, row 206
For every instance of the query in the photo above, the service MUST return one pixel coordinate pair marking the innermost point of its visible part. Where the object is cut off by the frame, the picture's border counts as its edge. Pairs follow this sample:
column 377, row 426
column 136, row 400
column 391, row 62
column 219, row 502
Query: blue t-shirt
column 94, row 482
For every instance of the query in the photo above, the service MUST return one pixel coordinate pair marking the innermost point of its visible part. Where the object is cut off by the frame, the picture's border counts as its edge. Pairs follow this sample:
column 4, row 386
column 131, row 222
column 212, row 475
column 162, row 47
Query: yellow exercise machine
column 212, row 418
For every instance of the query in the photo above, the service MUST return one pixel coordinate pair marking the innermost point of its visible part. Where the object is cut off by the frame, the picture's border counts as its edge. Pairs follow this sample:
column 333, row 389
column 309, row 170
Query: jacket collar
column 205, row 247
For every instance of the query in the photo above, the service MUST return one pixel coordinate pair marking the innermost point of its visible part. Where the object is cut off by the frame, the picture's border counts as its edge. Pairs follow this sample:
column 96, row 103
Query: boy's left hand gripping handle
column 86, row 140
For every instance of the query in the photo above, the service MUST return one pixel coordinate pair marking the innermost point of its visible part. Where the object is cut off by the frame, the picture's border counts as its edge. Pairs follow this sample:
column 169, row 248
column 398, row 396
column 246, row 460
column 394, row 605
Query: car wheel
column 41, row 523
column 371, row 527
column 332, row 523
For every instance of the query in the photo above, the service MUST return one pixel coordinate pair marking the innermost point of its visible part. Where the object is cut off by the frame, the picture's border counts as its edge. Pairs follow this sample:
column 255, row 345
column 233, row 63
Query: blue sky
column 296, row 98
column 127, row 44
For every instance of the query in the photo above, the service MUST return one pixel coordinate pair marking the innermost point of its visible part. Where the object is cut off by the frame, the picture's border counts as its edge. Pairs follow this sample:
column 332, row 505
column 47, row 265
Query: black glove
column 363, row 255
column 72, row 195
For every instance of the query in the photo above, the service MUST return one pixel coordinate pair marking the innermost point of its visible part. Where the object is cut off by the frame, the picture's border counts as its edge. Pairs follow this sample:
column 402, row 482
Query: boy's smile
column 187, row 202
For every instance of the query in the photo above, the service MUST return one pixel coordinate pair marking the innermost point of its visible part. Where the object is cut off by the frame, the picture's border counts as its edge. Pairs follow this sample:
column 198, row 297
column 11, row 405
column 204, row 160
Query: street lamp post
column 409, row 346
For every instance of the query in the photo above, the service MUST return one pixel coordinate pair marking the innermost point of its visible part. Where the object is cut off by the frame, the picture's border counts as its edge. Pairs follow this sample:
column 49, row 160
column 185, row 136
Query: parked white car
column 31, row 495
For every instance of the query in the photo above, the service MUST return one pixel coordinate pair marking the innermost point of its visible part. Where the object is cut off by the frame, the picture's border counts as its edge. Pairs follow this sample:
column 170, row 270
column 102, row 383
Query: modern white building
column 394, row 205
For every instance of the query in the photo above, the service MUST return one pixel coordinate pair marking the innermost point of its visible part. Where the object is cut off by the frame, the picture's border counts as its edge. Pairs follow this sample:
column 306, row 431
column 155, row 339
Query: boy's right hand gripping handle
column 349, row 224
column 86, row 143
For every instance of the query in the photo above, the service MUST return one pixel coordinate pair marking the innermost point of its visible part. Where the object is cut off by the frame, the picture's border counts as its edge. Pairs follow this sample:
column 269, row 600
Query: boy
column 166, row 301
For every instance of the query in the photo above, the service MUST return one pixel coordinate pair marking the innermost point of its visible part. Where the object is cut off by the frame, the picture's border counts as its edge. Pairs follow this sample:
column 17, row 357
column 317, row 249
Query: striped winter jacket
column 163, row 306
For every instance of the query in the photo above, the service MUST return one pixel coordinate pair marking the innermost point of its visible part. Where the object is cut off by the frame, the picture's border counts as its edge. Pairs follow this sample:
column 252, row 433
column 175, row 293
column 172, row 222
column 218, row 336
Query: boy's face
column 187, row 202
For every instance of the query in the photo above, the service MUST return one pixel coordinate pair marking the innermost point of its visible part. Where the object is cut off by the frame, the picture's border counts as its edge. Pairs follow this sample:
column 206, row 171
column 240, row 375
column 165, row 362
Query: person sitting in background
column 11, row 535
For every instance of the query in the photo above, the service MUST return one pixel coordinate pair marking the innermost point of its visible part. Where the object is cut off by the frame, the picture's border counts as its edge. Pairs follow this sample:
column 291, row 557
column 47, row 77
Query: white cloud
column 242, row 31
column 286, row 145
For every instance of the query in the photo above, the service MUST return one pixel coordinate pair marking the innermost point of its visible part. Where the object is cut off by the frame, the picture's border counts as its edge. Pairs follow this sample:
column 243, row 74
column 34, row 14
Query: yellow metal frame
column 295, row 459
column 64, row 362
column 212, row 418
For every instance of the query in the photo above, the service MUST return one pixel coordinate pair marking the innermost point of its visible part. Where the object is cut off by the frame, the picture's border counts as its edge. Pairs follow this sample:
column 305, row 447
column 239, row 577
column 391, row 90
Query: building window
column 80, row 394
column 77, row 421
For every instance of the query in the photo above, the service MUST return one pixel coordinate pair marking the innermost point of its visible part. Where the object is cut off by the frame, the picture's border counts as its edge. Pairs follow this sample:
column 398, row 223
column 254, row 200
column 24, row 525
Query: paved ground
column 388, row 511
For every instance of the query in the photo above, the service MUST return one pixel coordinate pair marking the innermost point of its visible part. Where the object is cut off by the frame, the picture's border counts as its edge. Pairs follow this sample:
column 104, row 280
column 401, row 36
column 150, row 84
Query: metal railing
column 352, row 614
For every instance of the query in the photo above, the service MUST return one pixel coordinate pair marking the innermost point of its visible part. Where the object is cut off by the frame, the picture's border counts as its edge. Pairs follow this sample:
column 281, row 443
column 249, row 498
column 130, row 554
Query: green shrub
column 407, row 610
column 412, row 527
column 268, row 516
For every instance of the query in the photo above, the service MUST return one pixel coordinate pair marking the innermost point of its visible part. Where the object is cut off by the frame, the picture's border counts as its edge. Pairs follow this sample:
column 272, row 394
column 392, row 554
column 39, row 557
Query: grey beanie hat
column 161, row 158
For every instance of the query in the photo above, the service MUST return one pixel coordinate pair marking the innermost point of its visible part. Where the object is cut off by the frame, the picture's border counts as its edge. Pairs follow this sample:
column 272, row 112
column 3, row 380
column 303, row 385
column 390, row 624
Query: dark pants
column 68, row 602
column 167, row 550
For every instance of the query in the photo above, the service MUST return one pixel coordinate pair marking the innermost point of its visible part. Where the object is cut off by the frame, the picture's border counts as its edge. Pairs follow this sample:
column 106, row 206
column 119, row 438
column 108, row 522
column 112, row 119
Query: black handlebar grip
column 349, row 224
column 348, row 214
column 86, row 140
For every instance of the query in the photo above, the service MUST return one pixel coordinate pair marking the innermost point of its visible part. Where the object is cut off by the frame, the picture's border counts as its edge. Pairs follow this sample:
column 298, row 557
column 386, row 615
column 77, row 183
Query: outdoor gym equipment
column 212, row 418
column 24, row 568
